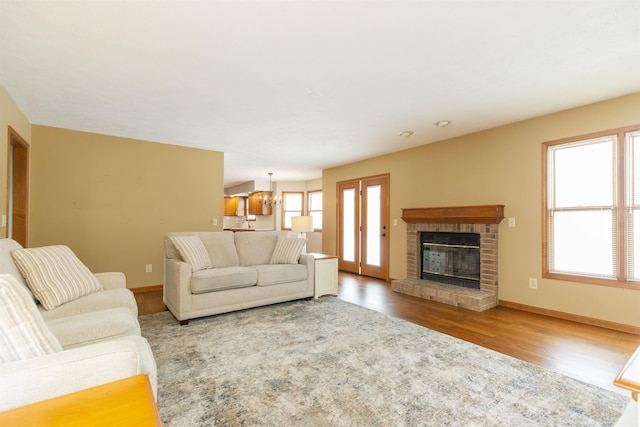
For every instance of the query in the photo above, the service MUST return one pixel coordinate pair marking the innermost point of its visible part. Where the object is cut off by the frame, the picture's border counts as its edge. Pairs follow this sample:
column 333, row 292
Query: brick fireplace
column 482, row 220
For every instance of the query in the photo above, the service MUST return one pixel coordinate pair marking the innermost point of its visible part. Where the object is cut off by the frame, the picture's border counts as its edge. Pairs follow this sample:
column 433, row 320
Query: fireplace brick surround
column 483, row 220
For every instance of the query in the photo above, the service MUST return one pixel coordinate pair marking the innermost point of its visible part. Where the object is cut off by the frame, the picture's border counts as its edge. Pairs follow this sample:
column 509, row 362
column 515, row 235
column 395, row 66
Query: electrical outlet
column 533, row 283
column 512, row 222
column 148, row 268
column 214, row 221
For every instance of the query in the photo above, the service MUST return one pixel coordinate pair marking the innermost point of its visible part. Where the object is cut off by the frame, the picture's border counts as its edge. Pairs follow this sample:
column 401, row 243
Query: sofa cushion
column 256, row 247
column 24, row 333
column 55, row 275
column 287, row 250
column 218, row 279
column 274, row 274
column 192, row 251
column 89, row 328
column 221, row 247
column 103, row 300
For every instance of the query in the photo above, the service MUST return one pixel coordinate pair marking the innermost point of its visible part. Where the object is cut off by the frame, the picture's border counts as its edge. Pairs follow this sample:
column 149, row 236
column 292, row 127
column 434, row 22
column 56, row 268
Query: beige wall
column 497, row 166
column 111, row 199
column 10, row 115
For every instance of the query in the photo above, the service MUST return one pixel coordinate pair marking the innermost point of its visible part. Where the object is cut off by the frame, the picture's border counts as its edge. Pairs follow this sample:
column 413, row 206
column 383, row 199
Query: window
column 590, row 208
column 292, row 204
column 314, row 208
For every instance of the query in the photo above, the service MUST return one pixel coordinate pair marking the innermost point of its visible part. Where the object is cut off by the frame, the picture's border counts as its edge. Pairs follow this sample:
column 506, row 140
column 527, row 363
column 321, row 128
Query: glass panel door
column 375, row 233
column 348, row 226
column 373, row 226
column 348, row 216
column 363, row 218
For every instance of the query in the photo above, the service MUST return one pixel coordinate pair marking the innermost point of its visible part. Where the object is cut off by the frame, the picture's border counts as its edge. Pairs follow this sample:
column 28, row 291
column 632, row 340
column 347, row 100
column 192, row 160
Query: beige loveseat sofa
column 234, row 271
column 82, row 333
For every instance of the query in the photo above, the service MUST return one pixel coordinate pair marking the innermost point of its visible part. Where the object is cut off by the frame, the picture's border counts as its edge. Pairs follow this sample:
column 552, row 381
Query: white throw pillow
column 192, row 251
column 55, row 275
column 287, row 250
column 23, row 333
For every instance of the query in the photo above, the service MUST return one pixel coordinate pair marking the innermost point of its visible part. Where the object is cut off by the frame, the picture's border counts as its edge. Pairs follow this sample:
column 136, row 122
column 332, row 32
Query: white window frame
column 315, row 213
column 287, row 211
column 621, row 209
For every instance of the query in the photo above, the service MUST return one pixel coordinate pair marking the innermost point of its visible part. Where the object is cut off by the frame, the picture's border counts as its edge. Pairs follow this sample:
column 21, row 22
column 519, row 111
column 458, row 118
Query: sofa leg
column 184, row 322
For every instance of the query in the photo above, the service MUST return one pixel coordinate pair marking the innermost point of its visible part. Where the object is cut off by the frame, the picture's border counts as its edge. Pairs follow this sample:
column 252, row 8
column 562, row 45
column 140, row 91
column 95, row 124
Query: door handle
column 384, row 235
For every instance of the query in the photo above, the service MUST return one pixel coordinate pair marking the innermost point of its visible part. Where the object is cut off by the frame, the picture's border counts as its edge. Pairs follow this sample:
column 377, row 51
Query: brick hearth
column 456, row 220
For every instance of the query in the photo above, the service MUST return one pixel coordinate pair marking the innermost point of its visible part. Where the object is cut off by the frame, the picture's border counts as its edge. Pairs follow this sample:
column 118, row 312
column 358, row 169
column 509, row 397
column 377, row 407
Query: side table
column 326, row 274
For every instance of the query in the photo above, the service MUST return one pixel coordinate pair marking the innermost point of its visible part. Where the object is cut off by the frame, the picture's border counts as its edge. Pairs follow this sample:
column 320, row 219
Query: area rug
column 327, row 362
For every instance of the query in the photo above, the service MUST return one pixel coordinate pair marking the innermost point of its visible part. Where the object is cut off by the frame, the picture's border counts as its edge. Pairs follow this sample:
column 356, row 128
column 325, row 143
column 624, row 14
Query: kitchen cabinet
column 256, row 203
column 230, row 206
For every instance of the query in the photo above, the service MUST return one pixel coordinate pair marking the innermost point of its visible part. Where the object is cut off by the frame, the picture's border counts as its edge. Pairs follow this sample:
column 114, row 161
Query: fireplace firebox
column 452, row 258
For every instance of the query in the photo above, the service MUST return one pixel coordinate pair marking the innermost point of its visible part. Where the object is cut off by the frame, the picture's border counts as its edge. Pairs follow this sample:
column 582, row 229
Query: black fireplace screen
column 452, row 258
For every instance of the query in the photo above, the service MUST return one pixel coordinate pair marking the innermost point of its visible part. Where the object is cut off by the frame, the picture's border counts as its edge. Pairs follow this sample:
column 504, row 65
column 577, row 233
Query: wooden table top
column 629, row 376
column 127, row 402
column 317, row 255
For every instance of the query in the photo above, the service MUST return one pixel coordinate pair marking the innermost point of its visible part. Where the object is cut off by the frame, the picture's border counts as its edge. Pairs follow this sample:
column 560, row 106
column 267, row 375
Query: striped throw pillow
column 192, row 251
column 287, row 250
column 23, row 333
column 55, row 275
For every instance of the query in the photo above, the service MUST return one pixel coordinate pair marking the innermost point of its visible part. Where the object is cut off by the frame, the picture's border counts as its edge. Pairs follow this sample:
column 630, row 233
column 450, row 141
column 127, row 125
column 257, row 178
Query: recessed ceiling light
column 406, row 133
column 443, row 123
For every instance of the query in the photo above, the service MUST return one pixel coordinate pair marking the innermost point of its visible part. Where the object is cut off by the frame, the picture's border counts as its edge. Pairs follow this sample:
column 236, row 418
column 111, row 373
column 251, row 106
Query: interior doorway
column 363, row 226
column 17, row 188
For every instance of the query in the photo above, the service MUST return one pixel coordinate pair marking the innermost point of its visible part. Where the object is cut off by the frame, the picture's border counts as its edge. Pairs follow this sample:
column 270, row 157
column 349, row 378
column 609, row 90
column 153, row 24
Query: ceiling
column 292, row 87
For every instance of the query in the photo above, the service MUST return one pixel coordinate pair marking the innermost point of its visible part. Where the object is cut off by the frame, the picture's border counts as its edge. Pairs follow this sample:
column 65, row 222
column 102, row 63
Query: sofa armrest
column 177, row 287
column 309, row 261
column 112, row 280
column 40, row 378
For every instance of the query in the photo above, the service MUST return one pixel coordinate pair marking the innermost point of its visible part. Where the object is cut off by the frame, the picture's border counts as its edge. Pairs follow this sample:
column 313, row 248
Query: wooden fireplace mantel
column 486, row 214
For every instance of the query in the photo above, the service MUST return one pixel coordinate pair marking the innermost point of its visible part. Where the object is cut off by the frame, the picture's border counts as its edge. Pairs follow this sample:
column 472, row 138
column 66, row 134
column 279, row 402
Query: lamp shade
column 301, row 224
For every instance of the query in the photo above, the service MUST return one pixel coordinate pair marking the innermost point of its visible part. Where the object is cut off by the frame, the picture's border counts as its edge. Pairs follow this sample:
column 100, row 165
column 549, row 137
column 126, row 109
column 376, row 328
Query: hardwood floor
column 589, row 353
column 149, row 299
